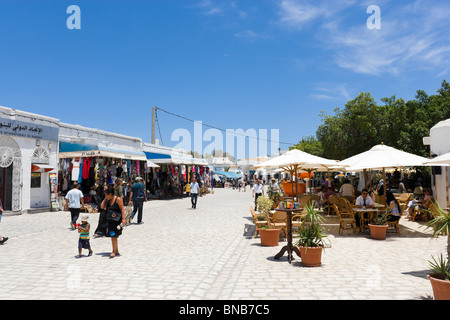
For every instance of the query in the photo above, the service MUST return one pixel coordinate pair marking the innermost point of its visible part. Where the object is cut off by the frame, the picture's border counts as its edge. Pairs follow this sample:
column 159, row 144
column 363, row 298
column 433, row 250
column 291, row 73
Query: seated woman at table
column 424, row 203
column 394, row 207
column 364, row 201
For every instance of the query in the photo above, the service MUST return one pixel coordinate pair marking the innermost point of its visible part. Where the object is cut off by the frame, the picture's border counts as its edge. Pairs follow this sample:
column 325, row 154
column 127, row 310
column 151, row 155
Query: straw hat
column 85, row 218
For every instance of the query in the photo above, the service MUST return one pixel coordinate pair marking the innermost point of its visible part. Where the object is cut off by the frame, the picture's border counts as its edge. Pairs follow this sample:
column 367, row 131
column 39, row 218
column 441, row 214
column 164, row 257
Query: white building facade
column 28, row 155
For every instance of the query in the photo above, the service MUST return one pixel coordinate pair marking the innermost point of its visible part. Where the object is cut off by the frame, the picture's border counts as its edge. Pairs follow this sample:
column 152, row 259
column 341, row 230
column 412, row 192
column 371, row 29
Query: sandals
column 114, row 254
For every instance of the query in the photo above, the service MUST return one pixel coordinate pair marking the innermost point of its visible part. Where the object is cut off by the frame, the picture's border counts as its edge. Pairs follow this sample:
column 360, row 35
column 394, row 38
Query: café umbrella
column 382, row 157
column 442, row 160
column 295, row 160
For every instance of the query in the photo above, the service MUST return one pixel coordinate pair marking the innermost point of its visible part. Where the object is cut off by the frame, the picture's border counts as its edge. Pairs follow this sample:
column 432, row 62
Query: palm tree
column 441, row 226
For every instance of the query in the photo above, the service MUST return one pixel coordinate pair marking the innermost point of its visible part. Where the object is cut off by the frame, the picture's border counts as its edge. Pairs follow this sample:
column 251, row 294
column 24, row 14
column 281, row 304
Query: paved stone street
column 208, row 253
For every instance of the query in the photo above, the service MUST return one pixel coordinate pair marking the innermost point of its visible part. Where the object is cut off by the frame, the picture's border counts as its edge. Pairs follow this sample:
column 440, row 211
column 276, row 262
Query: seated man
column 364, row 200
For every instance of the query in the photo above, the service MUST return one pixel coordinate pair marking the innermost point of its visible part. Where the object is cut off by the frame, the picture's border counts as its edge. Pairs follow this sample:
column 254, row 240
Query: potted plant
column 440, row 269
column 311, row 238
column 269, row 236
column 379, row 227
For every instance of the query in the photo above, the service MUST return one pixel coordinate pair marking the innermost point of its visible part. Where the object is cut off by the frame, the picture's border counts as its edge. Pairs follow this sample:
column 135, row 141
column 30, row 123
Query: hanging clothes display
column 86, row 167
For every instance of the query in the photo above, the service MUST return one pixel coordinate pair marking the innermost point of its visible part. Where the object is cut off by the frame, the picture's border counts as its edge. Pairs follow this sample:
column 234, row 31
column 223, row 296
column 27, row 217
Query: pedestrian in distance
column 137, row 197
column 115, row 216
column 74, row 201
column 2, row 239
column 83, row 241
column 258, row 190
column 194, row 193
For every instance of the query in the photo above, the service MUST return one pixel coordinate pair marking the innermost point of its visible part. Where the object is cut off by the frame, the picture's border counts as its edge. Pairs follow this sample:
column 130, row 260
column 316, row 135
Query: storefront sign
column 28, row 130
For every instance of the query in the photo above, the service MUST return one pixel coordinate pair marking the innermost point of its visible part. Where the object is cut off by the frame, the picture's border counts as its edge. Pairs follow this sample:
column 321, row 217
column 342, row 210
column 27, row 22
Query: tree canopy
column 362, row 124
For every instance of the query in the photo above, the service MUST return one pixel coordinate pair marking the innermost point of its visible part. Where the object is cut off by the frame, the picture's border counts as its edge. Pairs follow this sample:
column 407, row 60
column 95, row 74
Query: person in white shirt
column 363, row 201
column 258, row 190
column 194, row 193
column 74, row 201
column 347, row 191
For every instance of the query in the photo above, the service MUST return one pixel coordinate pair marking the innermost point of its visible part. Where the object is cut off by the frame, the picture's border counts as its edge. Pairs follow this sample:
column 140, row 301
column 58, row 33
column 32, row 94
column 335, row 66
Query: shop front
column 28, row 155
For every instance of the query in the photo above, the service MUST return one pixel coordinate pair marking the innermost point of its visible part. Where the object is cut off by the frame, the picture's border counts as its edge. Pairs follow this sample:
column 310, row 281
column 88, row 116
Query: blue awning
column 78, row 150
column 162, row 158
column 230, row 175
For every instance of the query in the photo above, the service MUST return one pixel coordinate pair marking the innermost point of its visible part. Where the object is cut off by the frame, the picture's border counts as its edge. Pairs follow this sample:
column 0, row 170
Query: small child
column 83, row 242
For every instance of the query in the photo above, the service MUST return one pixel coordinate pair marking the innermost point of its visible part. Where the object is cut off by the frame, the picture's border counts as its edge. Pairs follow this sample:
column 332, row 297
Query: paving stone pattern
column 207, row 253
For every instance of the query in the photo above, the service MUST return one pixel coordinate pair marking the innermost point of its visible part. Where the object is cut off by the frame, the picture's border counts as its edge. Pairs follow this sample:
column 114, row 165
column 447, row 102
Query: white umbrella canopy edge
column 442, row 160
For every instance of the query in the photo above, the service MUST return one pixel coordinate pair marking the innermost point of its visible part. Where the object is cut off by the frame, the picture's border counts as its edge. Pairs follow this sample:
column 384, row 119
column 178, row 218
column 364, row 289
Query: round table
column 289, row 247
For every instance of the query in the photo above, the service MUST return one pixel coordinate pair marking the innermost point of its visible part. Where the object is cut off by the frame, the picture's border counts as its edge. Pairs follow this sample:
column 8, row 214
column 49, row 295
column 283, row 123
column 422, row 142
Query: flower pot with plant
column 269, row 236
column 312, row 238
column 379, row 227
column 440, row 269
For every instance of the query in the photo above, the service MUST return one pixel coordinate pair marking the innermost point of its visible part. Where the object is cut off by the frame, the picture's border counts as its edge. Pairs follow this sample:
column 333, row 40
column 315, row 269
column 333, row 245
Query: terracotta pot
column 311, row 257
column 299, row 188
column 269, row 237
column 378, row 232
column 441, row 288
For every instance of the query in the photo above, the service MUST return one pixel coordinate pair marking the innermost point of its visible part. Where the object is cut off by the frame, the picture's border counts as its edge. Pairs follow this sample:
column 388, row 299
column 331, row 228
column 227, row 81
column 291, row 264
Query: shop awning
column 161, row 158
column 77, row 150
column 230, row 175
column 41, row 168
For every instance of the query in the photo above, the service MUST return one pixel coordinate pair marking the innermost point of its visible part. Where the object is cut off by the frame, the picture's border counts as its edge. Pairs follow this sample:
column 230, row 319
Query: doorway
column 6, row 187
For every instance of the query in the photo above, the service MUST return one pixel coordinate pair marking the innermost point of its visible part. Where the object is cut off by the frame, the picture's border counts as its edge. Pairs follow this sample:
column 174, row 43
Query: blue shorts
column 84, row 244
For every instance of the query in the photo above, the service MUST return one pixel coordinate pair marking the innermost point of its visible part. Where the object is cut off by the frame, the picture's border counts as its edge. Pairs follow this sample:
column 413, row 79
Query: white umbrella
column 295, row 160
column 382, row 157
column 443, row 160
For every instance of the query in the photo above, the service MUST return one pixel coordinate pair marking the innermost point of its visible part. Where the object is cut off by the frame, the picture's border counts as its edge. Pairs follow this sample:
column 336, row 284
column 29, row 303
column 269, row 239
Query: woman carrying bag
column 115, row 216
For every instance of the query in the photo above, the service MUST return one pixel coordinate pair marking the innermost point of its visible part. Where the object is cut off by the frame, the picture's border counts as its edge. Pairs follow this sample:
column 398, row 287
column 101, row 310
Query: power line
column 224, row 130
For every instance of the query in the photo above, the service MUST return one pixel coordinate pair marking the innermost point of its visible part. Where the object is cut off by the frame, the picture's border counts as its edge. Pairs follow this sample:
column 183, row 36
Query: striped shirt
column 84, row 235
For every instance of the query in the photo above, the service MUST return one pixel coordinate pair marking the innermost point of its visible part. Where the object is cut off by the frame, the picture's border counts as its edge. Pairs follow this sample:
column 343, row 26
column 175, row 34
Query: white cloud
column 414, row 35
column 330, row 91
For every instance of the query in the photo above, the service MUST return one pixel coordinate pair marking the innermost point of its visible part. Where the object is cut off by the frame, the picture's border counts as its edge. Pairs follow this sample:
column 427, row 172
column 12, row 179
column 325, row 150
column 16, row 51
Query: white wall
column 439, row 145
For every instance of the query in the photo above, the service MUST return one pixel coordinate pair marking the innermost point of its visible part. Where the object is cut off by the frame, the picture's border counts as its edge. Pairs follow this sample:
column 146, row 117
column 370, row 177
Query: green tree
column 310, row 145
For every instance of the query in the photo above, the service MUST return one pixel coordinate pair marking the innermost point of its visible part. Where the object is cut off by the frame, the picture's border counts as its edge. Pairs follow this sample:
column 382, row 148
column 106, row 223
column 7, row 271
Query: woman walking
column 113, row 206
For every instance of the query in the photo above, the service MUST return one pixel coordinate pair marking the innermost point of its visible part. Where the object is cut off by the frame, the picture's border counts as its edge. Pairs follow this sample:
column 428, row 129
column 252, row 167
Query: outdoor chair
column 297, row 220
column 344, row 205
column 423, row 213
column 333, row 199
column 345, row 219
column 306, row 200
column 279, row 221
column 395, row 225
column 259, row 220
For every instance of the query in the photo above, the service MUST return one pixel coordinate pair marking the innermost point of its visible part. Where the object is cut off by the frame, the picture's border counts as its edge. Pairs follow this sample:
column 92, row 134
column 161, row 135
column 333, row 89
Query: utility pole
column 153, row 124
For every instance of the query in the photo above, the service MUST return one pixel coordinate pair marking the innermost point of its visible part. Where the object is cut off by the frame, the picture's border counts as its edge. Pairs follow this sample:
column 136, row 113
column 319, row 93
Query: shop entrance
column 6, row 187
column 10, row 174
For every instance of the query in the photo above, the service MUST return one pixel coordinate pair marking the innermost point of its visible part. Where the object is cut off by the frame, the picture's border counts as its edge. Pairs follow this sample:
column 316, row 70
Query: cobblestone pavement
column 207, row 253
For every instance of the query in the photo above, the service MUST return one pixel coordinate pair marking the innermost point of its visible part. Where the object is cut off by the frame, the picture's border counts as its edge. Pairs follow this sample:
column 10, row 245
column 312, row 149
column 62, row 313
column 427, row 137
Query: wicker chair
column 345, row 219
column 258, row 221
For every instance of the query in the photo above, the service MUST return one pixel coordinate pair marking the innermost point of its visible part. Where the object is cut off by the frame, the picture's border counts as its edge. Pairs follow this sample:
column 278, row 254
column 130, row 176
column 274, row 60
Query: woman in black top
column 113, row 228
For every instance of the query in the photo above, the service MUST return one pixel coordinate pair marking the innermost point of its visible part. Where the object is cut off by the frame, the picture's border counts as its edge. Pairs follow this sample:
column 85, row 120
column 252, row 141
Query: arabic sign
column 28, row 130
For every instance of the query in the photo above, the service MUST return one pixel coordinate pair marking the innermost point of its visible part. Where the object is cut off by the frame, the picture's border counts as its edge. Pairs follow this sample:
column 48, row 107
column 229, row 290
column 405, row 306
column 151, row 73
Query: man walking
column 194, row 193
column 74, row 200
column 138, row 197
column 258, row 190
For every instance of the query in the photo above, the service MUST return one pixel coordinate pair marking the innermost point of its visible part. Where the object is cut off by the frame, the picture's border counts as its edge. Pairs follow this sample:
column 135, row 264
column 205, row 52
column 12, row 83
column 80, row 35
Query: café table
column 371, row 215
column 289, row 247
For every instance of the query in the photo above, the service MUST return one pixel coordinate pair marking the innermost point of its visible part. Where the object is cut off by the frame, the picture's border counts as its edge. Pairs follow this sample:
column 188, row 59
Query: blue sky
column 261, row 64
